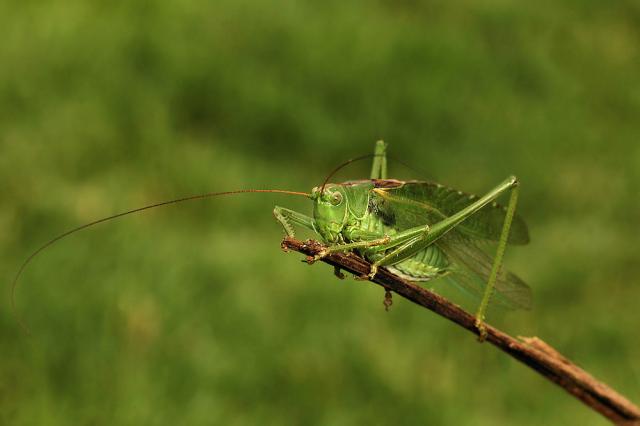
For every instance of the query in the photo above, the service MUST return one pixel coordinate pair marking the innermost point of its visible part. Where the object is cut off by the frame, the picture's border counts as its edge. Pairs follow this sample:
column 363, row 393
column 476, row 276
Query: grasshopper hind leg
column 497, row 263
column 407, row 243
column 379, row 166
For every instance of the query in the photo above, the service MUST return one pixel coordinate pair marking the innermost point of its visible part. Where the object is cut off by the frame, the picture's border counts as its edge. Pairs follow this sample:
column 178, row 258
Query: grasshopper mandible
column 418, row 230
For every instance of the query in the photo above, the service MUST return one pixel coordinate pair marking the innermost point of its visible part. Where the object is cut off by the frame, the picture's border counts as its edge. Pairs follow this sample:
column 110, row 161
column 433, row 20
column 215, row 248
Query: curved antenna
column 364, row 157
column 407, row 165
column 346, row 163
column 118, row 215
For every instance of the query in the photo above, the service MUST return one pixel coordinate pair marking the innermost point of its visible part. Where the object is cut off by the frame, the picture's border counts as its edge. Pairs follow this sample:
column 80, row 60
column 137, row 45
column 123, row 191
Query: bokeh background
column 193, row 315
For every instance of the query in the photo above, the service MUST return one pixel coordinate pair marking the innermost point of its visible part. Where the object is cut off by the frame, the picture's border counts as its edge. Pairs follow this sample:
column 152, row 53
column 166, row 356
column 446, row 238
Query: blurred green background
column 193, row 315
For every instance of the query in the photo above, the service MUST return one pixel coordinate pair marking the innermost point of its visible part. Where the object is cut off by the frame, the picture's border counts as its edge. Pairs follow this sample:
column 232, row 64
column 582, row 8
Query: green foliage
column 192, row 315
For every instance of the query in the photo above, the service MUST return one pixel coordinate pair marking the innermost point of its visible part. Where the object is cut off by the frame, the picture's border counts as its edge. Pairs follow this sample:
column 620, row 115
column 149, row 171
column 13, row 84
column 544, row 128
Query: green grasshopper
column 416, row 229
column 420, row 231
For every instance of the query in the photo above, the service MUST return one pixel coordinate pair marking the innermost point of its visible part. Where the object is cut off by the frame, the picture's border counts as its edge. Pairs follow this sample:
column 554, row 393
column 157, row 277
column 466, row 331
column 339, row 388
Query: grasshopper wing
column 470, row 267
column 417, row 202
column 433, row 202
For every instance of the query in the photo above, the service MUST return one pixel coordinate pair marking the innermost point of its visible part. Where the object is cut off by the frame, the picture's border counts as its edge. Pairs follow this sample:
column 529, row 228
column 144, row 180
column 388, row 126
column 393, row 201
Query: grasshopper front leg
column 288, row 218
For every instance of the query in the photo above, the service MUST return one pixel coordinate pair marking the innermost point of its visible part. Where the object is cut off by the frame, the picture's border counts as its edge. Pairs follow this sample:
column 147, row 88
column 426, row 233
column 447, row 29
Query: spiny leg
column 400, row 253
column 497, row 262
column 379, row 166
column 367, row 240
column 288, row 217
column 348, row 246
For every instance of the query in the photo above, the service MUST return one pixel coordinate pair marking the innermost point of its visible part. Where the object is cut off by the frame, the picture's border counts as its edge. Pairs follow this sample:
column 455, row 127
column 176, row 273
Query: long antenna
column 115, row 216
column 364, row 157
column 346, row 163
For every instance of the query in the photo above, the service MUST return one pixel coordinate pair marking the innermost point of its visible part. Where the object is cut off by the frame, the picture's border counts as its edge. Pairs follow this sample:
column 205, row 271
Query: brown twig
column 529, row 350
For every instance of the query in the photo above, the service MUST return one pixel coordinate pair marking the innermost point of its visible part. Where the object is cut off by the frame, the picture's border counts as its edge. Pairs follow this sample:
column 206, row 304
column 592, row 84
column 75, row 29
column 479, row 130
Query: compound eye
column 336, row 198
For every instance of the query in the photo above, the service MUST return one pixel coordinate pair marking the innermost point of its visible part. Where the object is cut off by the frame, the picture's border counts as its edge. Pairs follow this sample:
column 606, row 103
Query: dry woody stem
column 529, row 350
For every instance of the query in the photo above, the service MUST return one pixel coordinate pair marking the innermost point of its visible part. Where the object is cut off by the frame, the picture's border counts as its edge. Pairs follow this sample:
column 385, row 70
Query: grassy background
column 193, row 315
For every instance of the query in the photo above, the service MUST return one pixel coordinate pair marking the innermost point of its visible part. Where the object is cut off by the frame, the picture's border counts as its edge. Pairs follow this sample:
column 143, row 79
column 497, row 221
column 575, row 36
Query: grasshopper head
column 330, row 211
